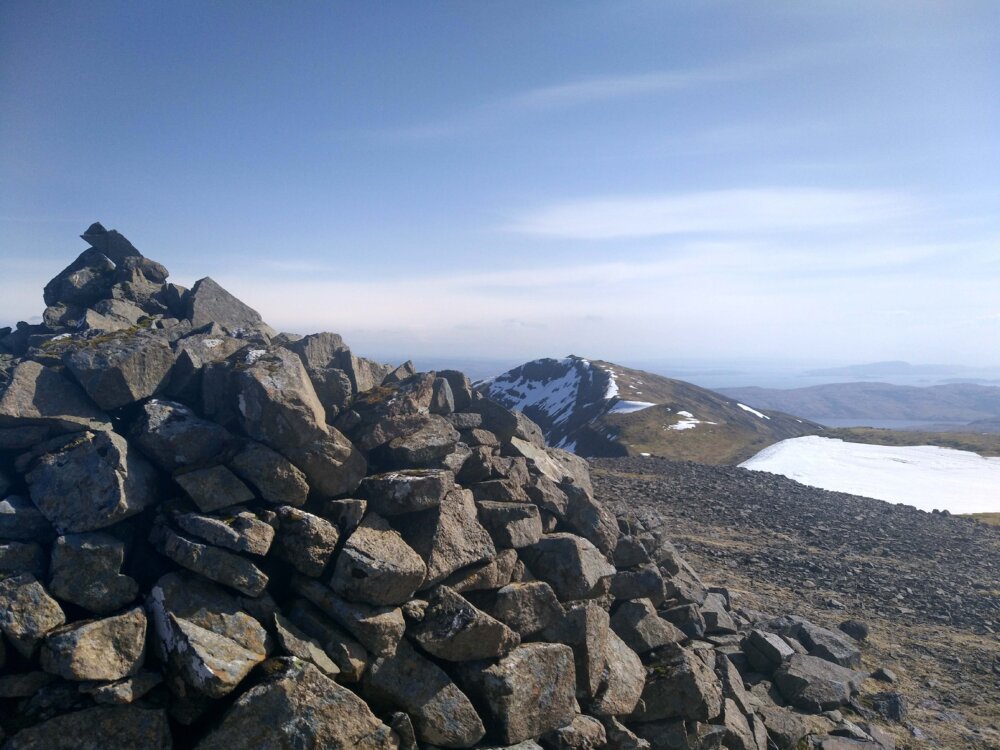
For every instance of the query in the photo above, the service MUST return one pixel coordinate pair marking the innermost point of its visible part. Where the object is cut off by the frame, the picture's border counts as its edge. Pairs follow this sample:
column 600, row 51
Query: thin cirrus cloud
column 719, row 211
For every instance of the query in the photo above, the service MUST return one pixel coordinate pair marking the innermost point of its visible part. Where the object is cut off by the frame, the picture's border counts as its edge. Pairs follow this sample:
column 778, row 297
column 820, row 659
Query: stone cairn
column 214, row 535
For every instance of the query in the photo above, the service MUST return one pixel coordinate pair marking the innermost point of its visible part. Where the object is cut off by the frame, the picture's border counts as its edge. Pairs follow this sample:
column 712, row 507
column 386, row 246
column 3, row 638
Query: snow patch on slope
column 627, row 407
column 744, row 407
column 925, row 476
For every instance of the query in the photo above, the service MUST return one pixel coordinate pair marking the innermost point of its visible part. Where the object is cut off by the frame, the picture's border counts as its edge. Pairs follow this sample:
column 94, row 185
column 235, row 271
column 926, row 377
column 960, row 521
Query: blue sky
column 710, row 181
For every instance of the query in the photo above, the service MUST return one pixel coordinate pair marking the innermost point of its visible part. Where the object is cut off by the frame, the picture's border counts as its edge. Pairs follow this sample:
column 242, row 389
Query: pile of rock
column 219, row 536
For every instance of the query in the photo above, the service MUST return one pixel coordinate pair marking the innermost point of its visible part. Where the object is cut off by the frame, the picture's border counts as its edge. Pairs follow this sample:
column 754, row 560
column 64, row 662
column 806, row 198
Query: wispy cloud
column 720, row 211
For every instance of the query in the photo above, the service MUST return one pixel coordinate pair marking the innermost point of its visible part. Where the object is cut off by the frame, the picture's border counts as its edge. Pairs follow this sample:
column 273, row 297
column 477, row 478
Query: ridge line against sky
column 632, row 180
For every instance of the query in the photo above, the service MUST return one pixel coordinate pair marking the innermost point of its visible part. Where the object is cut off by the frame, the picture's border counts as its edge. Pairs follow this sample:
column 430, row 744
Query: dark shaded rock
column 276, row 479
column 589, row 518
column 528, row 693
column 442, row 714
column 108, row 649
column 124, row 691
column 855, row 629
column 306, row 541
column 454, row 630
column 215, row 564
column 448, row 537
column 85, row 571
column 24, row 685
column 643, row 582
column 296, row 706
column 21, row 520
column 83, row 282
column 442, row 399
column 506, row 424
column 302, row 646
column 528, row 608
column 639, row 625
column 814, row 684
column 172, row 436
column 119, row 369
column 510, row 525
column 494, row 574
column 379, row 629
column 345, row 513
column 622, row 681
column 98, row 728
column 349, row 655
column 765, row 651
column 331, row 464
column 27, row 612
column 376, row 566
column 239, row 530
column 406, row 491
column 213, row 488
column 682, row 688
column 432, row 440
column 890, row 705
column 91, row 482
column 461, row 388
column 583, row 733
column 207, row 302
column 586, row 628
column 570, row 564
column 40, row 395
column 22, row 557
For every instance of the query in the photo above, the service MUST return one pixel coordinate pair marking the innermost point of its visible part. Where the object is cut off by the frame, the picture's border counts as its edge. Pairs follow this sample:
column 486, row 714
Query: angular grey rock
column 814, row 684
column 331, row 464
column 407, row 491
column 739, row 735
column 349, row 655
column 506, row 424
column 494, row 574
column 215, row 564
column 83, row 282
column 434, row 439
column 346, row 513
column 629, row 552
column 461, row 388
column 108, row 649
column 22, row 557
column 379, row 629
column 119, row 369
column 765, row 651
column 528, row 608
column 510, row 525
column 639, row 625
column 85, row 571
column 586, row 628
column 27, row 612
column 826, row 644
column 306, row 541
column 194, row 353
column 588, row 518
column 321, row 355
column 239, row 530
column 296, row 706
column 213, row 488
column 207, row 605
column 376, row 566
column 570, row 564
column 91, row 482
column 98, row 728
column 207, row 302
column 583, row 733
column 448, row 537
column 21, row 520
column 786, row 728
column 276, row 479
column 528, row 693
column 124, row 691
column 209, row 662
column 302, row 646
column 172, row 436
column 442, row 400
column 642, row 582
column 454, row 630
column 717, row 619
column 442, row 714
column 682, row 688
column 622, row 683
column 621, row 737
column 40, row 395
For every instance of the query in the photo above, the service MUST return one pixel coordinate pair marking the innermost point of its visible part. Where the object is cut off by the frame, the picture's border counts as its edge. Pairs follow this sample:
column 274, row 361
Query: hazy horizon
column 638, row 181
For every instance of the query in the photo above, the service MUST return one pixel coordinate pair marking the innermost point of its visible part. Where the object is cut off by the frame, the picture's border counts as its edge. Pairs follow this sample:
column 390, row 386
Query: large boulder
column 376, row 566
column 448, row 537
column 305, row 540
column 621, row 683
column 454, row 630
column 90, row 482
column 572, row 565
column 40, row 395
column 108, row 649
column 119, row 369
column 27, row 612
column 238, row 529
column 213, row 488
column 276, row 479
column 815, row 684
column 98, row 728
column 21, row 520
column 85, row 571
column 207, row 303
column 639, row 625
column 407, row 491
column 295, row 706
column 172, row 436
column 442, row 714
column 526, row 694
column 528, row 608
column 681, row 688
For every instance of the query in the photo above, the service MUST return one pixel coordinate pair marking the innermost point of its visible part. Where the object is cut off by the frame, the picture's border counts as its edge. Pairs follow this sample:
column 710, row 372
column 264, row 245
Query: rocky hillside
column 213, row 535
column 596, row 408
